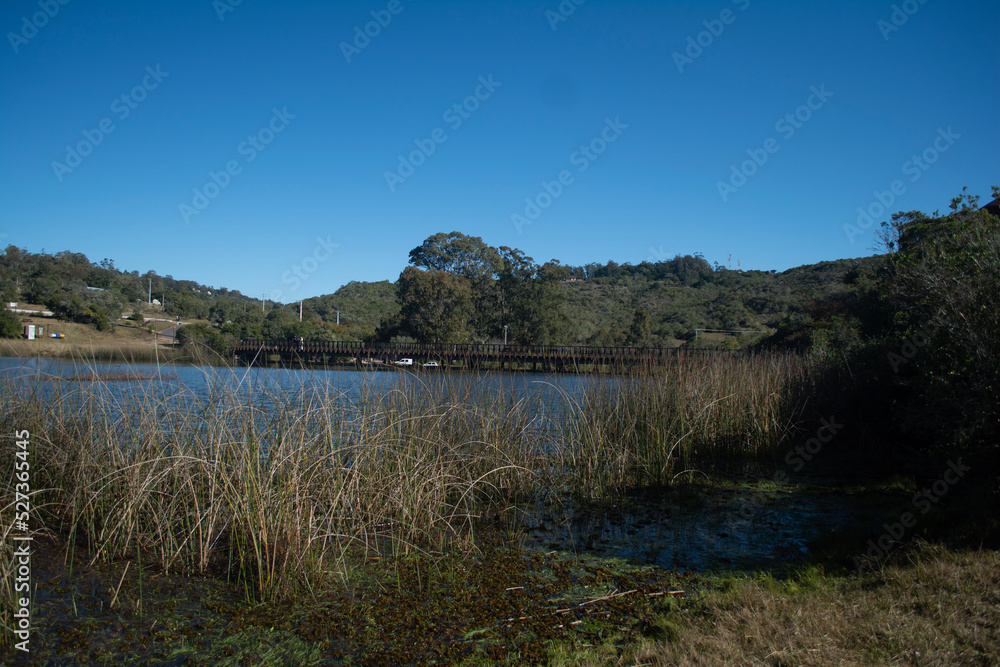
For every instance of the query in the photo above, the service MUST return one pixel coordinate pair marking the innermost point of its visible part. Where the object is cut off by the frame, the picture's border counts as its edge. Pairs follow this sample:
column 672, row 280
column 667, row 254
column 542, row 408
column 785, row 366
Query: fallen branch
column 609, row 597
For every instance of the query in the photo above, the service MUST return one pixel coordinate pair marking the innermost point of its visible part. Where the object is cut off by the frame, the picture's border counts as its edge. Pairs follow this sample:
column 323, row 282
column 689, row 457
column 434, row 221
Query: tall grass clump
column 125, row 352
column 642, row 429
column 281, row 487
column 276, row 491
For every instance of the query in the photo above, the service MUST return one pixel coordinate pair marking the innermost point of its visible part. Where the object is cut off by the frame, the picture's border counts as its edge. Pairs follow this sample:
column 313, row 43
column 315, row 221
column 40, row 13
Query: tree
column 542, row 319
column 457, row 254
column 505, row 287
column 470, row 258
column 202, row 334
column 435, row 305
column 639, row 333
column 514, row 276
column 888, row 237
column 941, row 286
column 10, row 324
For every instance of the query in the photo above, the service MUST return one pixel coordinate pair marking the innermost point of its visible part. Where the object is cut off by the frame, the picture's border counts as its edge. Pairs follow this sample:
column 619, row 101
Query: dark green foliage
column 639, row 334
column 435, row 305
column 829, row 306
column 201, row 334
column 460, row 289
column 99, row 294
column 10, row 325
column 941, row 346
column 551, row 303
column 362, row 306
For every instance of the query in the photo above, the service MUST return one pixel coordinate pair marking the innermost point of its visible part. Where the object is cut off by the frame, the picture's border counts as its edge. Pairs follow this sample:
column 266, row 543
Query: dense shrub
column 10, row 325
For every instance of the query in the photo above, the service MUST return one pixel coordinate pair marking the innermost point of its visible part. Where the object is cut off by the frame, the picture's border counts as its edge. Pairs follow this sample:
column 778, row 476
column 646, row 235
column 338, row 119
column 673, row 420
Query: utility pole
column 150, row 292
column 338, row 318
column 262, row 298
column 300, row 311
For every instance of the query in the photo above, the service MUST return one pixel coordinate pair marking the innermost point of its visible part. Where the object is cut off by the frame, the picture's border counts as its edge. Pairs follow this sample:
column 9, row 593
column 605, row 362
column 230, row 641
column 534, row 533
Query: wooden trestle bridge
column 299, row 352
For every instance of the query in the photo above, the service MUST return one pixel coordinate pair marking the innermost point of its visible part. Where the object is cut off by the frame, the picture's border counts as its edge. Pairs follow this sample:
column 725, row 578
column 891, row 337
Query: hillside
column 598, row 303
column 601, row 309
column 79, row 290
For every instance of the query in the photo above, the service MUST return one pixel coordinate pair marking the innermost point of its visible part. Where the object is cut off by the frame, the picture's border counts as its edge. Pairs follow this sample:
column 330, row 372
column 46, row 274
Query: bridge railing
column 445, row 350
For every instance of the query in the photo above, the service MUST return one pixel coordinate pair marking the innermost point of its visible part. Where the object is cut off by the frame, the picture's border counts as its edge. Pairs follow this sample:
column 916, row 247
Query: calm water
column 250, row 385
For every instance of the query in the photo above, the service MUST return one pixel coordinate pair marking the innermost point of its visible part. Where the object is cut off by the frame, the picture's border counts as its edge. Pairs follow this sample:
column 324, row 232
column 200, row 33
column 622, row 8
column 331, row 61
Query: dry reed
column 279, row 489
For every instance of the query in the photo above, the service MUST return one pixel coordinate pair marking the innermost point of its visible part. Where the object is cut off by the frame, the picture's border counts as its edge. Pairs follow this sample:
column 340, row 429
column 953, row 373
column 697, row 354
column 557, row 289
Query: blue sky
column 625, row 131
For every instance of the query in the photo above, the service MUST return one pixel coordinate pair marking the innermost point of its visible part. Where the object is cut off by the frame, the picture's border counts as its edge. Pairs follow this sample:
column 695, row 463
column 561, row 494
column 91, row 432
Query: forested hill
column 76, row 289
column 603, row 309
column 608, row 304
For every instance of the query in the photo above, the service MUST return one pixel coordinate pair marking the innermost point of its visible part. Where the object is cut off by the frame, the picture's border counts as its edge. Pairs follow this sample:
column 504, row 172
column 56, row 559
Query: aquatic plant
column 281, row 489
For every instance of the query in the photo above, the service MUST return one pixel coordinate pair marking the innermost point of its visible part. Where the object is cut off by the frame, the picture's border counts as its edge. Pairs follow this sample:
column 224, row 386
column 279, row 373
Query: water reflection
column 260, row 386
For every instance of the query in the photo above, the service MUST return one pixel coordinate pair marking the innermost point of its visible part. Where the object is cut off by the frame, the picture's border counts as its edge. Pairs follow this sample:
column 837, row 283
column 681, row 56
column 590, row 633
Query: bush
column 201, row 334
column 10, row 325
column 101, row 321
column 942, row 345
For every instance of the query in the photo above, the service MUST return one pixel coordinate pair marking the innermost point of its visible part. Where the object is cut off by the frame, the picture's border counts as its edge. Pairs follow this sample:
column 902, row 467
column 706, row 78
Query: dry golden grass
column 126, row 343
column 940, row 608
column 644, row 429
column 273, row 490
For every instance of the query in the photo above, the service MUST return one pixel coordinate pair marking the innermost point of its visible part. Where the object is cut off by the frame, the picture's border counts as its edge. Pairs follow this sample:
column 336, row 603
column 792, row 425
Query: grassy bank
column 123, row 351
column 126, row 342
column 932, row 607
column 502, row 606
